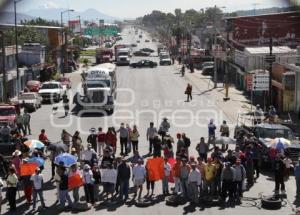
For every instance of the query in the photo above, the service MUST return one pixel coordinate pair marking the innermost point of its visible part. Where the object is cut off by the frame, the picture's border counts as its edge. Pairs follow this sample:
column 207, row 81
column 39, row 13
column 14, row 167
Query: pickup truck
column 51, row 91
column 8, row 114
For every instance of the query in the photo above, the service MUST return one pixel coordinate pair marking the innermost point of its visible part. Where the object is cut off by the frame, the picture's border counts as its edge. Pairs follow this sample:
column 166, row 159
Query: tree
column 41, row 22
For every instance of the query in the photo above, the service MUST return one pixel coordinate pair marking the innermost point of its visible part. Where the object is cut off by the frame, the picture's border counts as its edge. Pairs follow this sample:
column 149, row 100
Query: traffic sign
column 258, row 82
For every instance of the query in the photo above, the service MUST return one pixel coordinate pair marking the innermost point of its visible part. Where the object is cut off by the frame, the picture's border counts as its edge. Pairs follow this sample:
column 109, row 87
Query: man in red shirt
column 43, row 136
column 101, row 136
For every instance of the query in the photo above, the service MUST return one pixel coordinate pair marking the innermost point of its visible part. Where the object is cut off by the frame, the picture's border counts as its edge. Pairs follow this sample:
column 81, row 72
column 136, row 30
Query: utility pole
column 270, row 71
column 215, row 46
column 4, row 82
column 17, row 50
column 226, row 68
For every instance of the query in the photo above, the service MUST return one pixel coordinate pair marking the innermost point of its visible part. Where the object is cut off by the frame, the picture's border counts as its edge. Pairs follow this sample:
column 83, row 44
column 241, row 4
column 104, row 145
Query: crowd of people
column 217, row 173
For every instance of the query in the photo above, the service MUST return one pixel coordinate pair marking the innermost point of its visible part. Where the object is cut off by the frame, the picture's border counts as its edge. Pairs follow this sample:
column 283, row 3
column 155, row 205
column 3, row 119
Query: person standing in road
column 134, row 137
column 11, row 181
column 194, row 181
column 209, row 171
column 188, row 92
column 20, row 123
column 187, row 143
column 88, row 155
column 224, row 129
column 97, row 181
column 124, row 136
column 184, row 175
column 180, row 144
column 77, row 143
column 74, row 171
column 88, row 182
column 63, row 188
column 5, row 133
column 43, row 137
column 111, row 139
column 101, row 141
column 165, row 181
column 92, row 139
column 123, row 178
column 164, row 127
column 297, row 178
column 279, row 170
column 151, row 131
column 240, row 174
column 202, row 149
column 37, row 180
column 66, row 138
column 139, row 177
column 157, row 145
column 211, row 131
column 27, row 118
column 65, row 103
column 228, row 179
column 176, row 171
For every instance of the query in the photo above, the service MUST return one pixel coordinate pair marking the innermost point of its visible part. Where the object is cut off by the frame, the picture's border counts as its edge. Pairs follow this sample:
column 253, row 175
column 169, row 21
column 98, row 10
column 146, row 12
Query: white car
column 30, row 100
column 52, row 91
column 165, row 60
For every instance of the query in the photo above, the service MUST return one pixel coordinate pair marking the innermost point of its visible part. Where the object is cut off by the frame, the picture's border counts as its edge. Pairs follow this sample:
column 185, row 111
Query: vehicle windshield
column 275, row 133
column 26, row 96
column 98, row 83
column 122, row 53
column 164, row 57
column 49, row 86
column 7, row 111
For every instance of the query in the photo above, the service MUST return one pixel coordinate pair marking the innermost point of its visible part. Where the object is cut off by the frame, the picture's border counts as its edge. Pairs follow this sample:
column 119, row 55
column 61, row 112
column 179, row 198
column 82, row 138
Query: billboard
column 75, row 26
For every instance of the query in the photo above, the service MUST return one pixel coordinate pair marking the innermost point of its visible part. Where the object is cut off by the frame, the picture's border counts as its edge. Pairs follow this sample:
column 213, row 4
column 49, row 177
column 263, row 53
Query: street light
column 62, row 37
column 16, row 41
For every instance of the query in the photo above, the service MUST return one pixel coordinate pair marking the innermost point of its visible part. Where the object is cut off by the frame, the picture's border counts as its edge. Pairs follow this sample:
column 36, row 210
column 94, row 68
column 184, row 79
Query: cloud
column 49, row 5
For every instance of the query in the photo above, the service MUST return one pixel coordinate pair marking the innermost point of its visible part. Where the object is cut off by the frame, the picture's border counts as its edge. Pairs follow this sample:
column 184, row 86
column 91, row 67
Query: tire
column 110, row 112
column 270, row 203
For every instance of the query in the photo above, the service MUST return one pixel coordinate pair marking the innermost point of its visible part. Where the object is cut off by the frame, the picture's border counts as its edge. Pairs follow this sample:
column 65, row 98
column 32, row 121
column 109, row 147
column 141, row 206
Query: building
column 31, row 54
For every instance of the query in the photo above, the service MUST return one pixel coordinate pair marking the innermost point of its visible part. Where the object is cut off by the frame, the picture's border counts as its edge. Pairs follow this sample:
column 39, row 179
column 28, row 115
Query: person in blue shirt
column 297, row 178
column 211, row 131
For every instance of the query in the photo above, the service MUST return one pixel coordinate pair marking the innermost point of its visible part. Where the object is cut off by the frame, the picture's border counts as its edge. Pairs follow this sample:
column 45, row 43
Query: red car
column 33, row 85
column 65, row 82
column 8, row 114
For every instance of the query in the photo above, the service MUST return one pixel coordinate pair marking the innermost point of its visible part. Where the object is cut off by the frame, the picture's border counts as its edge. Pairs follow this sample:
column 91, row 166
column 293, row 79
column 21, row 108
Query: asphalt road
column 146, row 95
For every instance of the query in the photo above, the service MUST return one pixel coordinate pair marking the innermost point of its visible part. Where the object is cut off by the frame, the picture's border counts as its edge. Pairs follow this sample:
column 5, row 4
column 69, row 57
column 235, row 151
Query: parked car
column 51, row 91
column 147, row 50
column 33, row 85
column 138, row 41
column 133, row 45
column 30, row 101
column 153, row 40
column 208, row 63
column 8, row 114
column 141, row 53
column 143, row 64
column 208, row 70
column 147, row 41
column 65, row 82
column 165, row 60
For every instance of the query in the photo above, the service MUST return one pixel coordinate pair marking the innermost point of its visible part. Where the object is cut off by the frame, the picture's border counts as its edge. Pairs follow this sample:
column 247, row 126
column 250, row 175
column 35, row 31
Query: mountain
column 9, row 17
column 55, row 14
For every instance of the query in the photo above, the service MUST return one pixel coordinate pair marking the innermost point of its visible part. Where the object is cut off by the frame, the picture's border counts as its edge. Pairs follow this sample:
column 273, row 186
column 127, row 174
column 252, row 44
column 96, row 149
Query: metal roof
column 272, row 126
column 266, row 50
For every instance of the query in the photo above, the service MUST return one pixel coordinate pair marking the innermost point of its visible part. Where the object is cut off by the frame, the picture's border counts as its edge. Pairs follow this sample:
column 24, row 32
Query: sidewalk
column 238, row 103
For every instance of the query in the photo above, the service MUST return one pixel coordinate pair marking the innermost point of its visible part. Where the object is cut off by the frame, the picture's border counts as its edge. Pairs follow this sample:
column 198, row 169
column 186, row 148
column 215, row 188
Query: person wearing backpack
column 187, row 143
column 240, row 174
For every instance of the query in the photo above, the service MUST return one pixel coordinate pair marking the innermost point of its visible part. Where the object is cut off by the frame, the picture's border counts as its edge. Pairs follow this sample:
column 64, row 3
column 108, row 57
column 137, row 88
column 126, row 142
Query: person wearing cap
column 88, row 155
column 151, row 131
column 194, row 181
column 209, row 171
column 176, row 171
column 184, row 175
column 124, row 136
column 134, row 137
column 240, row 174
column 101, row 137
column 202, row 149
column 123, row 178
column 88, row 184
column 297, row 178
column 16, row 161
column 279, row 168
column 228, row 179
column 92, row 139
column 37, row 180
column 139, row 177
column 164, row 127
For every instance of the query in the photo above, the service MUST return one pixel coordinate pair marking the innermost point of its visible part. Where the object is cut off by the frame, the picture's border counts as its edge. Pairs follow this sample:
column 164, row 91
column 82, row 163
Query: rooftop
column 266, row 50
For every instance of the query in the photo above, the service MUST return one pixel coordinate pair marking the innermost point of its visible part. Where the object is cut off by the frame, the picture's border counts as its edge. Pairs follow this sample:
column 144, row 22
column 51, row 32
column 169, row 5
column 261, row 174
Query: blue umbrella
column 65, row 158
column 40, row 161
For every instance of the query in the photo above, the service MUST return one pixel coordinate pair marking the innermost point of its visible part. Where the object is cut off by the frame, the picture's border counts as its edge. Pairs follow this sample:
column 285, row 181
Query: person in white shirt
column 165, row 182
column 88, row 182
column 87, row 155
column 194, row 181
column 139, row 177
column 37, row 180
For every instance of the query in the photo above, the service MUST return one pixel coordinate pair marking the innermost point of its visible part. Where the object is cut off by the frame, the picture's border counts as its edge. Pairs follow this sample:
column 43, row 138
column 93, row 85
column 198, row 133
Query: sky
column 136, row 8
